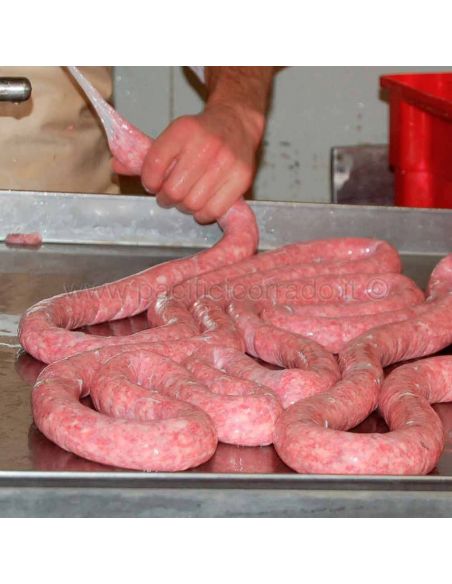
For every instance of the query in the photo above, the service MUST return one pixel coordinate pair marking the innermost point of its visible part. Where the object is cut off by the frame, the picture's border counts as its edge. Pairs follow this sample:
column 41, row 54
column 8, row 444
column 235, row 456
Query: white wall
column 313, row 109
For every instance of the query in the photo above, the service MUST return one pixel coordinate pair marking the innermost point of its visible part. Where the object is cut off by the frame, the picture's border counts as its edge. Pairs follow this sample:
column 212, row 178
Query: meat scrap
column 24, row 239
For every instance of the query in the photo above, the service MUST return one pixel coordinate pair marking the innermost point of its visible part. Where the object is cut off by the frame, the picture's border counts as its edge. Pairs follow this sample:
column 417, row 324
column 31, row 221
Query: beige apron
column 54, row 142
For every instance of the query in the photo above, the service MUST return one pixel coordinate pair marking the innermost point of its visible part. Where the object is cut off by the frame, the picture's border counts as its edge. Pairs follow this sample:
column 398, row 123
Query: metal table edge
column 229, row 481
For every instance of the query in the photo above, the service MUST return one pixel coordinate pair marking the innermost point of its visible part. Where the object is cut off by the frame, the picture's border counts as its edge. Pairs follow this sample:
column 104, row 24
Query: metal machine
column 15, row 89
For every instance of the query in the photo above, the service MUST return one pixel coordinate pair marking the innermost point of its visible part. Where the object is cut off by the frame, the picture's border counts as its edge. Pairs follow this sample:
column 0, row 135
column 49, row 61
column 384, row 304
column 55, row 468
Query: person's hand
column 202, row 164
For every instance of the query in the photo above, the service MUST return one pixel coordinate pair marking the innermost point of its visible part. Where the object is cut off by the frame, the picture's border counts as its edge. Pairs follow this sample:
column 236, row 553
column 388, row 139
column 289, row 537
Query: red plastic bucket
column 421, row 138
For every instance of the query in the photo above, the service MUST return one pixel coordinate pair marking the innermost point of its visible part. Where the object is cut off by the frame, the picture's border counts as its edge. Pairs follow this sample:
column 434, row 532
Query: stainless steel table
column 90, row 239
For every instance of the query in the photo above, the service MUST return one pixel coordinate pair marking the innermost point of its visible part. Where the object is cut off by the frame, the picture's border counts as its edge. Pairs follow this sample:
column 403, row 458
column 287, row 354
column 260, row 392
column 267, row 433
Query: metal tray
column 91, row 239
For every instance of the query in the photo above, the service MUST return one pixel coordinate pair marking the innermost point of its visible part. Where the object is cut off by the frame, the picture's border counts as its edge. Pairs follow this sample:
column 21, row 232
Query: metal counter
column 90, row 239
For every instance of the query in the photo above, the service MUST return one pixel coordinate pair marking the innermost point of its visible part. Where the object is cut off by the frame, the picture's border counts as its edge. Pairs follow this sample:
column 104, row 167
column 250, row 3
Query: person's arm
column 204, row 163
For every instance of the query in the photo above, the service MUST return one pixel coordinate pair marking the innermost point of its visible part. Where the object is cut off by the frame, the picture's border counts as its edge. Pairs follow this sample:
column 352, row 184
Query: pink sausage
column 246, row 415
column 404, row 402
column 147, row 429
column 310, row 436
column 333, row 333
column 345, row 288
column 334, row 324
column 393, row 291
column 402, row 298
column 292, row 262
column 154, row 432
column 47, row 456
column 308, row 368
column 43, row 328
column 24, row 239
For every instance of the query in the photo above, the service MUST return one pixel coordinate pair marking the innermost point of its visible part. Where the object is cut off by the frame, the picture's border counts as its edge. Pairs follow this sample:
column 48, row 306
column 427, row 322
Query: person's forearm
column 204, row 163
column 246, row 89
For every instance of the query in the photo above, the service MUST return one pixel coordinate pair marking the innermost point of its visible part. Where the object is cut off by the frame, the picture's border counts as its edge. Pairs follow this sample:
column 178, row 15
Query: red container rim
column 431, row 92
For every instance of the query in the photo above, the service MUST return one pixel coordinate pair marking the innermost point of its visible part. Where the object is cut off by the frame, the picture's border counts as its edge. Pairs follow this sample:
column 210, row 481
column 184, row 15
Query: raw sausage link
column 358, row 301
column 141, row 421
column 310, row 435
column 334, row 333
column 295, row 261
column 42, row 330
column 246, row 415
column 155, row 432
column 308, row 368
column 404, row 402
